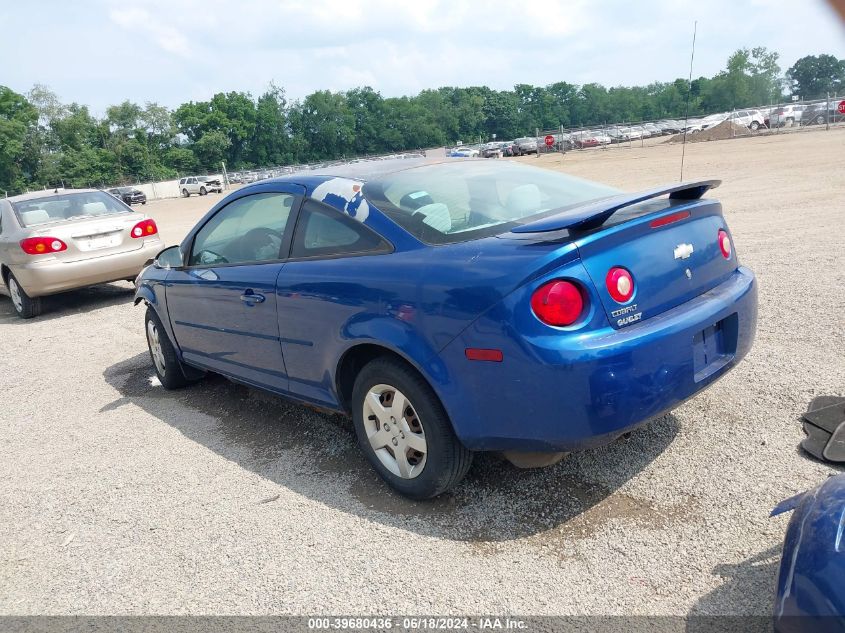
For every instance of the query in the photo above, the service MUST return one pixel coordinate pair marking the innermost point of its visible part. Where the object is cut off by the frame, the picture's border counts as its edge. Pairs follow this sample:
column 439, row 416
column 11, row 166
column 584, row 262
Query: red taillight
column 558, row 303
column 42, row 245
column 145, row 228
column 724, row 243
column 620, row 284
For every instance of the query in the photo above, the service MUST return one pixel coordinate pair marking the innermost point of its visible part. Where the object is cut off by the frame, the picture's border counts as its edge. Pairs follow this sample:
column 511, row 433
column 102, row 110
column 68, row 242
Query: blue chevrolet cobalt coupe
column 453, row 307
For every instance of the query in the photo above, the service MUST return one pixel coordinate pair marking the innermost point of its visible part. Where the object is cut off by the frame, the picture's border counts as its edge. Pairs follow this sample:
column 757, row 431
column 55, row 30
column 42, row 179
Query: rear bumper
column 47, row 277
column 575, row 391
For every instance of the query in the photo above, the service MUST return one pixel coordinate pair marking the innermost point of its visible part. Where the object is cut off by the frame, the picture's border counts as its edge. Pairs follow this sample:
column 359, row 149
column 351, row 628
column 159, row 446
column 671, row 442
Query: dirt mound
column 725, row 129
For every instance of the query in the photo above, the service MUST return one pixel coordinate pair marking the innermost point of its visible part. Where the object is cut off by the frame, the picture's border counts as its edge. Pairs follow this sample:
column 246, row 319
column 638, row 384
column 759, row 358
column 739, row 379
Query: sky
column 101, row 52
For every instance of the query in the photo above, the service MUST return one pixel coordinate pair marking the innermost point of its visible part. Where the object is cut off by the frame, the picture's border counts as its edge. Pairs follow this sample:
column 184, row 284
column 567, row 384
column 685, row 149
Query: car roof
column 34, row 195
column 362, row 171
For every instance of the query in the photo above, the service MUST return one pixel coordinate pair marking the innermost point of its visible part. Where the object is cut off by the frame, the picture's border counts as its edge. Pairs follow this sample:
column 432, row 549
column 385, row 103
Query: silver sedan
column 58, row 240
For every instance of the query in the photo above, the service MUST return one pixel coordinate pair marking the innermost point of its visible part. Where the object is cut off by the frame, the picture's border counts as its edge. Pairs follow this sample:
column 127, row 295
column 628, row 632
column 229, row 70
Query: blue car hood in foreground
column 811, row 581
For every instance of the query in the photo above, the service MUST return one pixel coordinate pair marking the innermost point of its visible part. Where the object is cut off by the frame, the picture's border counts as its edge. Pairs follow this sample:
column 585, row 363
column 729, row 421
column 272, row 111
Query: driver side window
column 249, row 229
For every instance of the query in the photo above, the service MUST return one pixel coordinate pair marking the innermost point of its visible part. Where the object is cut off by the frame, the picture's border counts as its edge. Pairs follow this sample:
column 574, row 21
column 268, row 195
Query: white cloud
column 110, row 50
column 137, row 20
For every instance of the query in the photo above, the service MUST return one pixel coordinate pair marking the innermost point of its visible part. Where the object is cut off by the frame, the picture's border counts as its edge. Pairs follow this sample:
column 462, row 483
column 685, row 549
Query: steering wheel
column 257, row 238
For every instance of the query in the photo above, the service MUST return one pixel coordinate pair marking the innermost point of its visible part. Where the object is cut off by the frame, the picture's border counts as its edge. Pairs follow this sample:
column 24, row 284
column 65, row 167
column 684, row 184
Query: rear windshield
column 457, row 202
column 67, row 206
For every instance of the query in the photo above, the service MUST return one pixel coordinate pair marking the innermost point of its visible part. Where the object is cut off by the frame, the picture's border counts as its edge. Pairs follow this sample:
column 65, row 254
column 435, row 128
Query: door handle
column 250, row 297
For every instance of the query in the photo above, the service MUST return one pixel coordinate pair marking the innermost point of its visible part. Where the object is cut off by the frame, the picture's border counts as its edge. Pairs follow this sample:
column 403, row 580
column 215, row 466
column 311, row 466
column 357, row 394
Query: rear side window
column 323, row 231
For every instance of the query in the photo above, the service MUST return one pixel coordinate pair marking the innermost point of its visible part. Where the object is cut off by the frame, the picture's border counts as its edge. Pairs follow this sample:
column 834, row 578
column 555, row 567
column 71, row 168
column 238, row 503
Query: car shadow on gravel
column 748, row 589
column 73, row 302
column 316, row 454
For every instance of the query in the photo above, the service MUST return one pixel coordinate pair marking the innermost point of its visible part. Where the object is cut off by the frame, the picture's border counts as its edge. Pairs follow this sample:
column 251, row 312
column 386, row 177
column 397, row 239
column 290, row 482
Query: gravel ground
column 117, row 497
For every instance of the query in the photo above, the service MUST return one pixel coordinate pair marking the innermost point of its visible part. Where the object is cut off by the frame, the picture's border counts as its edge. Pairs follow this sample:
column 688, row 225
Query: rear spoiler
column 594, row 214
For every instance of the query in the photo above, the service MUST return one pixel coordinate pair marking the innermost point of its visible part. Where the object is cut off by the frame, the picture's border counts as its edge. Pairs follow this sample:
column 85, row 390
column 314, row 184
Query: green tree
column 18, row 118
column 815, row 76
column 211, row 149
column 270, row 143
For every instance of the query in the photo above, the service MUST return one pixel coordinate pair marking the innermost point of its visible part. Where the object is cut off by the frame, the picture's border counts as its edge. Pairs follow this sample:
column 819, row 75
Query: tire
column 171, row 372
column 819, row 120
column 185, row 193
column 754, row 126
column 25, row 306
column 435, row 461
column 203, row 191
column 144, row 202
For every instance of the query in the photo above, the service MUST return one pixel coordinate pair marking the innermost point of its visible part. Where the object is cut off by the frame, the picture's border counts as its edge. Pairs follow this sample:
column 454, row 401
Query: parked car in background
column 584, row 139
column 52, row 241
column 348, row 289
column 496, row 149
column 671, row 126
column 713, row 120
column 810, row 590
column 752, row 119
column 201, row 185
column 630, row 133
column 821, row 114
column 653, row 130
column 464, row 151
column 526, row 145
column 129, row 195
column 692, row 126
column 786, row 116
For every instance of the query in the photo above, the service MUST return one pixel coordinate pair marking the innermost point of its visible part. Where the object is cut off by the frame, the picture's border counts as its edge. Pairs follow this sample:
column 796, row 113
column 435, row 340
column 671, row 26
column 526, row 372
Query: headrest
column 437, row 216
column 94, row 208
column 524, row 200
column 35, row 216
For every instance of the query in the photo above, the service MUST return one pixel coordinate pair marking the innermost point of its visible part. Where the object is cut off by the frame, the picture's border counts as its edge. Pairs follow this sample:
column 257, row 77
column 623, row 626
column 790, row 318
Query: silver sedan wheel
column 155, row 347
column 394, row 431
column 15, row 291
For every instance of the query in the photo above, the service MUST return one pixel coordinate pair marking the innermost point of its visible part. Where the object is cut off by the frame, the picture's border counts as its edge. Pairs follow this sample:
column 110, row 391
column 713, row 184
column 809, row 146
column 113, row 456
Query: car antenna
column 689, row 92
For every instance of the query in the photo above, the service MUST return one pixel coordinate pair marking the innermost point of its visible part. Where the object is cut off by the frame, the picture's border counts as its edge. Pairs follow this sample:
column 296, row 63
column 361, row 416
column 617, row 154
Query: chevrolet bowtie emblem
column 683, row 251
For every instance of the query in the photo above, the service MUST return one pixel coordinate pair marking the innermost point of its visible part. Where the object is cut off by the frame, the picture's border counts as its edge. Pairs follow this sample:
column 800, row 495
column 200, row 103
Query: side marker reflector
column 493, row 355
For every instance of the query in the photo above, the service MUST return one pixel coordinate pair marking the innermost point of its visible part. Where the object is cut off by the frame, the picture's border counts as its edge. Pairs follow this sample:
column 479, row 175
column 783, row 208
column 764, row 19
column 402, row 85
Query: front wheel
column 754, row 126
column 25, row 306
column 203, row 191
column 405, row 432
column 171, row 372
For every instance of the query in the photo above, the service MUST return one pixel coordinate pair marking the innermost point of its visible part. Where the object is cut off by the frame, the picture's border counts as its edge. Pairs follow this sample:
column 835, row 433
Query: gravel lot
column 117, row 497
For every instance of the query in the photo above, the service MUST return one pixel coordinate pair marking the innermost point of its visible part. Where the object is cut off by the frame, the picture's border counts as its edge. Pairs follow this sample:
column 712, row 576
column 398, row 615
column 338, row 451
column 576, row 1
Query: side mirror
column 170, row 257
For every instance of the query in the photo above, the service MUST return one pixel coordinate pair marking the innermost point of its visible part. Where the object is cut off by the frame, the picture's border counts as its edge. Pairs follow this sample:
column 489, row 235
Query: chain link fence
column 780, row 118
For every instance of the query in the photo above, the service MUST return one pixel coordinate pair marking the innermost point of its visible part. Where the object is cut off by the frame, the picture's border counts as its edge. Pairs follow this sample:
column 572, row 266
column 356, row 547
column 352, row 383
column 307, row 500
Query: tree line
column 44, row 142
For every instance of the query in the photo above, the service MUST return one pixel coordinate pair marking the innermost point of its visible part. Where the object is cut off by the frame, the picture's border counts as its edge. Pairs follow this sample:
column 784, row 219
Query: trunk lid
column 670, row 263
column 97, row 237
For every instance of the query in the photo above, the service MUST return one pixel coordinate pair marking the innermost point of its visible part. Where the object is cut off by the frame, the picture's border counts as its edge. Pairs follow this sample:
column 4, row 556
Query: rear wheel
column 26, row 306
column 185, row 193
column 405, row 432
column 754, row 126
column 819, row 119
column 171, row 372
